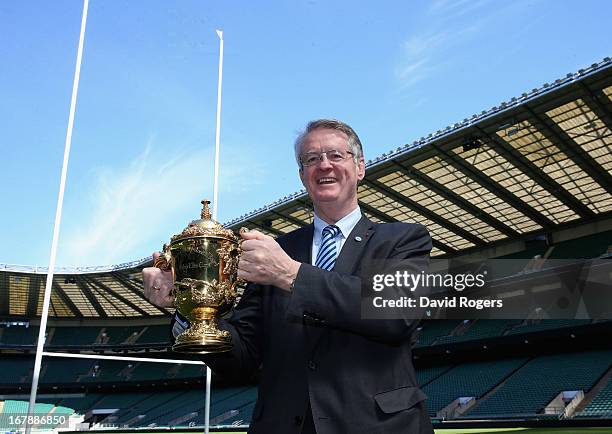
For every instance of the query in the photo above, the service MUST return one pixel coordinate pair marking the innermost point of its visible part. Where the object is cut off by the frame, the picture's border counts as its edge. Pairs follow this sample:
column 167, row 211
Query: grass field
column 506, row 431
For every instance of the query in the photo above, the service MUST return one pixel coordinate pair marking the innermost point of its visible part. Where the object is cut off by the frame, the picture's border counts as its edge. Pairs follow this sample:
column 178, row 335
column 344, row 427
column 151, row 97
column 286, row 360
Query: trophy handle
column 239, row 281
column 164, row 261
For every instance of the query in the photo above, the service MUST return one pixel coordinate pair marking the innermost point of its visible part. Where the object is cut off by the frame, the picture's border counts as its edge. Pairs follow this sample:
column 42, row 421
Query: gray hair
column 332, row 124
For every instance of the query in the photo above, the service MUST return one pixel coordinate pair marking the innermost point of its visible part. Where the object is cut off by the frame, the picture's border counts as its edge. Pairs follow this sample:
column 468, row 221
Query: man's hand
column 158, row 285
column 263, row 261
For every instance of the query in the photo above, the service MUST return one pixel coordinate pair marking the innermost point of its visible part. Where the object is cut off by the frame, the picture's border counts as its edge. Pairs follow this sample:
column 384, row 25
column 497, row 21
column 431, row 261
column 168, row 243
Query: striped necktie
column 326, row 257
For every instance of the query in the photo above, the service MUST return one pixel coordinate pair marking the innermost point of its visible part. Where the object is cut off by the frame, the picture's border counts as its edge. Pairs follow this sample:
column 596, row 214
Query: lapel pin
column 358, row 238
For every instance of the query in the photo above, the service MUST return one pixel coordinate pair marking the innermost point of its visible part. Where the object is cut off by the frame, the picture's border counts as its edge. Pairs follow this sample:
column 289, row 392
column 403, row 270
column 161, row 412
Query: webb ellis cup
column 203, row 260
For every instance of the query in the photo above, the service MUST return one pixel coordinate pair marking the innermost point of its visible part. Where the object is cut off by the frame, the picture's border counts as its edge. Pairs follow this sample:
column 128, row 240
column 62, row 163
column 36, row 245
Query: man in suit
column 324, row 369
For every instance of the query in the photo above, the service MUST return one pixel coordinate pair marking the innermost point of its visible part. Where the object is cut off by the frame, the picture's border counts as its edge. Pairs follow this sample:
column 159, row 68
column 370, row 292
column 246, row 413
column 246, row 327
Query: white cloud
column 424, row 54
column 418, row 55
column 456, row 7
column 142, row 204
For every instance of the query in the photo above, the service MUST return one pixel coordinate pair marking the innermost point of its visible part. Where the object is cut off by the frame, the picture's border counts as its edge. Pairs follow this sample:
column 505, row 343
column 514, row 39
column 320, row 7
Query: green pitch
column 527, row 431
column 510, row 431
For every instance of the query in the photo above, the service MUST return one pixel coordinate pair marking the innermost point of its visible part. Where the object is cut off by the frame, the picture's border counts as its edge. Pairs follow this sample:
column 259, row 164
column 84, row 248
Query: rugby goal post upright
column 56, row 229
column 215, row 207
column 58, row 220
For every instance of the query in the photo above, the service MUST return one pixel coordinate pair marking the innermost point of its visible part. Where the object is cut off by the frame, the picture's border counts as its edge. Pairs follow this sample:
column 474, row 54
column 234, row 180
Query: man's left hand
column 263, row 261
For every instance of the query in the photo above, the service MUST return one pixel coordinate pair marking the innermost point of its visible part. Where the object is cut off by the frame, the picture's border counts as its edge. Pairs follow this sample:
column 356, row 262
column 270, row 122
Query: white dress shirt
column 346, row 225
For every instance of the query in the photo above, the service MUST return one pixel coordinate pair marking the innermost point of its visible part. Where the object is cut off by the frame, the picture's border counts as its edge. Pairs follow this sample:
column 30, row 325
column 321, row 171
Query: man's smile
column 326, row 180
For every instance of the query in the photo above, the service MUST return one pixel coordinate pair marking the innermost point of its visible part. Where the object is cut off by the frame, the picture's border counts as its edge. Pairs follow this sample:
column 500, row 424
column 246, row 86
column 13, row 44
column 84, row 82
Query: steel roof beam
column 266, row 228
column 69, row 303
column 306, row 204
column 388, row 219
column 259, row 226
column 594, row 101
column 136, row 290
column 105, row 288
column 453, row 197
column 556, row 135
column 93, row 300
column 289, row 218
column 408, row 203
column 34, row 291
column 531, row 170
column 475, row 175
column 4, row 294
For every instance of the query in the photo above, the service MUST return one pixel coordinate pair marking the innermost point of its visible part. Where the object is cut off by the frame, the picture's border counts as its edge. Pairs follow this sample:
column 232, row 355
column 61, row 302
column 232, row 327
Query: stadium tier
column 468, row 380
column 601, row 406
column 531, row 388
column 512, row 191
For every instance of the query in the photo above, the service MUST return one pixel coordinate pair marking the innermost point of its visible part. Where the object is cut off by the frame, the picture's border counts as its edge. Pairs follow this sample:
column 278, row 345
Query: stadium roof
column 101, row 294
column 538, row 163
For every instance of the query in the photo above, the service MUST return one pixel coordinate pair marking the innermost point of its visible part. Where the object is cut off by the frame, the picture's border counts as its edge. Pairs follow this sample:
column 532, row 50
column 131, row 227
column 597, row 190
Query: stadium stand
column 19, row 335
column 468, row 380
column 430, row 373
column 431, row 331
column 546, row 324
column 56, row 371
column 155, row 334
column 15, row 370
column 601, row 406
column 591, row 246
column 61, row 336
column 531, row 388
column 480, row 329
column 487, row 195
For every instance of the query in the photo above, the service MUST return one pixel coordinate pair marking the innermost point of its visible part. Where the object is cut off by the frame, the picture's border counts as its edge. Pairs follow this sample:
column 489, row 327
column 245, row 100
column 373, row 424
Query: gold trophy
column 203, row 260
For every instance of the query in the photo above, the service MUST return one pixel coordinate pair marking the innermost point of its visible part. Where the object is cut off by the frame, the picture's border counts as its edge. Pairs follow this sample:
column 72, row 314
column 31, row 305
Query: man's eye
column 311, row 159
column 335, row 156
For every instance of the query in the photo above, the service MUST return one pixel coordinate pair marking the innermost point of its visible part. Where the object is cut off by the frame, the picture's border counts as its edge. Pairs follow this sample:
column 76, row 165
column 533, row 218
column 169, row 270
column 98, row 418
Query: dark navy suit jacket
column 313, row 346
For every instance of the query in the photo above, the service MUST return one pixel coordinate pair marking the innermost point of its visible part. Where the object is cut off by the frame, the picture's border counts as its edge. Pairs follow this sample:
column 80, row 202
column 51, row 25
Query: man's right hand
column 158, row 285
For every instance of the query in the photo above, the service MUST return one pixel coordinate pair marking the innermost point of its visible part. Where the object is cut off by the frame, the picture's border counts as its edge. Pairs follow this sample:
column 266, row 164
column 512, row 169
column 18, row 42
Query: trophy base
column 201, row 338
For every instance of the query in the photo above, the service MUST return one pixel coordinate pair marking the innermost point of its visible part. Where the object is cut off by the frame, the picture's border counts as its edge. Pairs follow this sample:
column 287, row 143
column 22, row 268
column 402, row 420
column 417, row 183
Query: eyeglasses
column 333, row 156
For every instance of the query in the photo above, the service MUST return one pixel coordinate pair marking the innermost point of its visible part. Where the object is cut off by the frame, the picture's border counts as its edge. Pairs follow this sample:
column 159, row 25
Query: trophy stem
column 203, row 336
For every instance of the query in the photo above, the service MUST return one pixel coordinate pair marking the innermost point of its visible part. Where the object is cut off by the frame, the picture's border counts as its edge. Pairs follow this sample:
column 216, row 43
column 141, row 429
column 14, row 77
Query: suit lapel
column 353, row 247
column 347, row 263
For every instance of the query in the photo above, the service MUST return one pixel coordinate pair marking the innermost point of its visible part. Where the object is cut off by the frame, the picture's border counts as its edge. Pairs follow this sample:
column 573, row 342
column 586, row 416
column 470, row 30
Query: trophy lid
column 205, row 226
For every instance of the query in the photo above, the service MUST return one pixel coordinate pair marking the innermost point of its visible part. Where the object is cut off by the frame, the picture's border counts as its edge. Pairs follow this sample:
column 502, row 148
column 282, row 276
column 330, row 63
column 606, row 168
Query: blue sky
column 144, row 130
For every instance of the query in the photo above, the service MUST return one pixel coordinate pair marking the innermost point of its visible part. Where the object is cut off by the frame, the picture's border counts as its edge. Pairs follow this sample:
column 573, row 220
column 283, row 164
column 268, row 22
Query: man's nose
column 324, row 162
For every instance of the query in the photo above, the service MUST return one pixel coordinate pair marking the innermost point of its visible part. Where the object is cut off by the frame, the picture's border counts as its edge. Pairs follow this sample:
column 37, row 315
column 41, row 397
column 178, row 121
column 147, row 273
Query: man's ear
column 301, row 173
column 361, row 169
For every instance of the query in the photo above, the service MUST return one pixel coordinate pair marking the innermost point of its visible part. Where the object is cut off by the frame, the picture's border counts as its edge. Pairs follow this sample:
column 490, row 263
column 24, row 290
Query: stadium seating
column 468, row 380
column 19, row 335
column 480, row 329
column 81, row 404
column 431, row 330
column 11, row 408
column 546, row 324
column 601, row 406
column 514, row 263
column 150, row 371
column 74, row 336
column 590, row 246
column 61, row 371
column 15, row 370
column 120, row 400
column 155, row 334
column 533, row 386
column 132, row 415
column 425, row 375
column 118, row 335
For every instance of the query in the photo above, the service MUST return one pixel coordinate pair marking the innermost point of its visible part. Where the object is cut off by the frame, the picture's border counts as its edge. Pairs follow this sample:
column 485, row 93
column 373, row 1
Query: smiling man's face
column 331, row 186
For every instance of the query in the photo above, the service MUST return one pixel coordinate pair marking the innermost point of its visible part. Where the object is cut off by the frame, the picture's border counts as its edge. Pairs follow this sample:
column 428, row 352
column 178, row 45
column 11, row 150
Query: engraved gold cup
column 203, row 260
